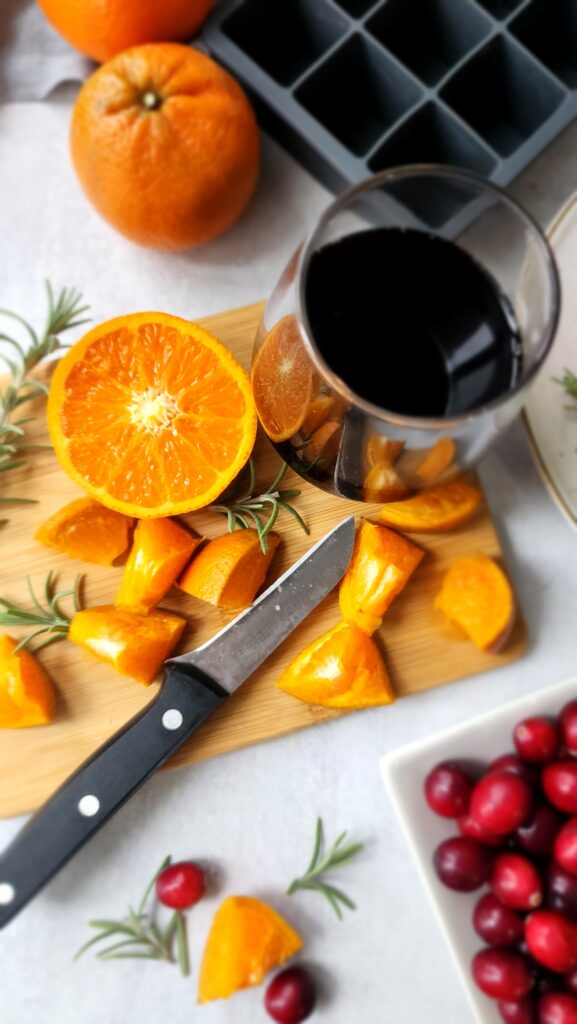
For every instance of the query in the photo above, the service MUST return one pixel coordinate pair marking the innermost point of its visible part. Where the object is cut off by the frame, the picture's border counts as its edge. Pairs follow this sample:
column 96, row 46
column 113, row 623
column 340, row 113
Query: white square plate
column 481, row 739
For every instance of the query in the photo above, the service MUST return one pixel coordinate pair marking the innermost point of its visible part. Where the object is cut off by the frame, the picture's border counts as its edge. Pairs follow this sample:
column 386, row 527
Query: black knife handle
column 102, row 784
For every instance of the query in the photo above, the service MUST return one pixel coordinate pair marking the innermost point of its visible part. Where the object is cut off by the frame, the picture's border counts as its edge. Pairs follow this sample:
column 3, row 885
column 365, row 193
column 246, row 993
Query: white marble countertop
column 252, row 813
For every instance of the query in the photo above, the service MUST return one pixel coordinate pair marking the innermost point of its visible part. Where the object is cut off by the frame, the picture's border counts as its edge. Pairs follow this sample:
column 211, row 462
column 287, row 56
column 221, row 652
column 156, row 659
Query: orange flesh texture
column 382, row 451
column 383, row 483
column 477, row 595
column 87, row 530
column 380, row 568
column 160, row 550
column 135, row 645
column 318, row 411
column 247, row 940
column 151, row 415
column 342, row 669
column 324, row 443
column 437, row 460
column 230, row 570
column 433, row 511
column 26, row 693
column 282, row 380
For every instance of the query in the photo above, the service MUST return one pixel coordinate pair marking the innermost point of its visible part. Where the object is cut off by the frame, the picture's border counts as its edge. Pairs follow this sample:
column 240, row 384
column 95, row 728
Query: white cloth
column 34, row 59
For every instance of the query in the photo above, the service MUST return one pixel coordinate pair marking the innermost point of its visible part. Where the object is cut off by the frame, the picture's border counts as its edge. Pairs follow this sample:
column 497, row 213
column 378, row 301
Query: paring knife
column 194, row 685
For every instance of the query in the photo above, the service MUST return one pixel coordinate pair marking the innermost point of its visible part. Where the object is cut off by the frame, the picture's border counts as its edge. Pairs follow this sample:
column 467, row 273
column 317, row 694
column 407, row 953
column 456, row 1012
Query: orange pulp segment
column 87, row 530
column 135, row 645
column 160, row 550
column 282, row 380
column 26, row 693
column 477, row 595
column 381, row 566
column 433, row 511
column 230, row 570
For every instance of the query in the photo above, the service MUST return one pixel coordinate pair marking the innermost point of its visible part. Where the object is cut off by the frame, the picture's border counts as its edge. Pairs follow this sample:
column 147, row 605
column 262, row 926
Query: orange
column 26, row 693
column 282, row 380
column 437, row 510
column 166, row 146
column 103, row 28
column 160, row 550
column 230, row 570
column 87, row 530
column 477, row 595
column 151, row 415
column 135, row 645
column 382, row 564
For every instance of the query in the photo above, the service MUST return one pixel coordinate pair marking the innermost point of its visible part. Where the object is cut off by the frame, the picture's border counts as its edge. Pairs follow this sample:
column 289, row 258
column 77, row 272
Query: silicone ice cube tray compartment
column 352, row 87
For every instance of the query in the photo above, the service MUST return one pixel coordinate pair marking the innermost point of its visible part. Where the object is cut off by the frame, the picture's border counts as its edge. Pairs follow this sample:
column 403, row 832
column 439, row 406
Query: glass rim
column 344, row 200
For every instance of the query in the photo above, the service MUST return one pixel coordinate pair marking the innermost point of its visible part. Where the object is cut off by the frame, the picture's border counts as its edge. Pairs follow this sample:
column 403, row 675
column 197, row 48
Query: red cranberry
column 559, row 781
column 180, row 885
column 448, row 790
column 561, row 890
column 523, row 1012
column 469, row 827
column 558, row 1008
column 552, row 940
column 565, row 850
column 537, row 834
column 462, row 863
column 496, row 924
column 291, row 996
column 516, row 882
column 500, row 802
column 501, row 974
column 536, row 740
column 568, row 723
column 513, row 763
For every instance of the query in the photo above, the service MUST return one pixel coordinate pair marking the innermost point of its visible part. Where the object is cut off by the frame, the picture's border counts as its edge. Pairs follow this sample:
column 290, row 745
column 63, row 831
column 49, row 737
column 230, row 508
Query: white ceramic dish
column 552, row 428
column 480, row 739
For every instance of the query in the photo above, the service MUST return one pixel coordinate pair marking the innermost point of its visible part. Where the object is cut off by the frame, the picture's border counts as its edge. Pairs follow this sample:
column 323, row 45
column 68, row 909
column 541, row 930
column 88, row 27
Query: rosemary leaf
column 262, row 509
column 51, row 621
column 336, row 856
column 183, row 959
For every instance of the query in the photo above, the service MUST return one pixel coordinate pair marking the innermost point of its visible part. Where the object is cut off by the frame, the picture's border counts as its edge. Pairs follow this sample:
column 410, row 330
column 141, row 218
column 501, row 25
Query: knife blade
column 194, row 686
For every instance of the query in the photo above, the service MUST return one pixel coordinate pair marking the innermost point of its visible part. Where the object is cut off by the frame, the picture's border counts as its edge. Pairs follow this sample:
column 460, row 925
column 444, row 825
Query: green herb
column 64, row 312
column 261, row 509
column 569, row 382
column 140, row 937
column 51, row 622
column 320, row 862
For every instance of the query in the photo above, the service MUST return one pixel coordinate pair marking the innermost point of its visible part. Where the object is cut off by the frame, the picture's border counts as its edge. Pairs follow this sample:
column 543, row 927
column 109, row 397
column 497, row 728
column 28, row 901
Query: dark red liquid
column 411, row 322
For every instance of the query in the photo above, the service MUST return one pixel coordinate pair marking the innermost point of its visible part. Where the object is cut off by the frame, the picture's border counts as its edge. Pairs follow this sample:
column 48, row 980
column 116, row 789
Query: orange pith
column 151, row 415
column 282, row 380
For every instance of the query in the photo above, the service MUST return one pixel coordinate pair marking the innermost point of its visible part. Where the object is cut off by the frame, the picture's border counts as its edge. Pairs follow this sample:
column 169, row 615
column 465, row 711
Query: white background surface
column 251, row 814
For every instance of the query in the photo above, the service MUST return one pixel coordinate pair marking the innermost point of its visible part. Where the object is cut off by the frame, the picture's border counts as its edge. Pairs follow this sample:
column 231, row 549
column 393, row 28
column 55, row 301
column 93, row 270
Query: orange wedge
column 282, row 380
column 477, row 595
column 434, row 511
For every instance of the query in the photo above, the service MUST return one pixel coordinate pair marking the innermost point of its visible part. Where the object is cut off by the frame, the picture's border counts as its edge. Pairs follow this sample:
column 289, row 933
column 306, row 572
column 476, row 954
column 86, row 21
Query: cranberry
column 561, row 890
column 462, row 863
column 523, row 1012
column 558, row 1008
column 559, row 782
column 448, row 790
column 536, row 740
column 568, row 723
column 516, row 882
column 570, row 982
column 501, row 974
column 469, row 827
column 552, row 940
column 537, row 834
column 291, row 996
column 500, row 802
column 496, row 924
column 513, row 763
column 180, row 885
column 565, row 850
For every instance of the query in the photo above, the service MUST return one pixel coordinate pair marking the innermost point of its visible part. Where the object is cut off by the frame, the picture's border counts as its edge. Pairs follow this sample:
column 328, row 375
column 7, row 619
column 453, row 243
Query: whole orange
column 166, row 145
column 103, row 28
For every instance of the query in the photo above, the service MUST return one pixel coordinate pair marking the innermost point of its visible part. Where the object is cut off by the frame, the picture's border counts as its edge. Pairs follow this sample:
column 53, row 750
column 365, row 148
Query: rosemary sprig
column 140, row 937
column 569, row 382
column 64, row 311
column 51, row 622
column 258, row 509
column 320, row 862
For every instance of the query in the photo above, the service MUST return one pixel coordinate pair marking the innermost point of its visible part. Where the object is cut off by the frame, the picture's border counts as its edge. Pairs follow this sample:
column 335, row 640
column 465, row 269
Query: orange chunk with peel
column 381, row 565
column 282, row 380
column 87, row 530
column 435, row 510
column 135, row 645
column 342, row 669
column 382, row 451
column 246, row 941
column 160, row 550
column 477, row 595
column 230, row 570
column 383, row 483
column 26, row 693
column 437, row 460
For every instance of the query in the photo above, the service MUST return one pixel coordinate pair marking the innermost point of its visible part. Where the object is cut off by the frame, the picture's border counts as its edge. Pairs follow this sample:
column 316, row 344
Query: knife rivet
column 172, row 719
column 7, row 893
column 89, row 805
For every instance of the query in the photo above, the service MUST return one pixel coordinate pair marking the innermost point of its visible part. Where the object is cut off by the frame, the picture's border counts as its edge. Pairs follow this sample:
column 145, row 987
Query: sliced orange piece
column 437, row 460
column 437, row 510
column 383, row 483
column 282, row 380
column 318, row 411
column 86, row 529
column 381, row 565
column 135, row 645
column 342, row 669
column 477, row 595
column 246, row 941
column 230, row 570
column 151, row 415
column 382, row 451
column 160, row 550
column 324, row 443
column 26, row 693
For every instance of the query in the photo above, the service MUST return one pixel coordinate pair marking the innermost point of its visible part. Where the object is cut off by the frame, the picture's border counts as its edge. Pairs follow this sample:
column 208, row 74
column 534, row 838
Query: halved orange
column 282, row 380
column 151, row 414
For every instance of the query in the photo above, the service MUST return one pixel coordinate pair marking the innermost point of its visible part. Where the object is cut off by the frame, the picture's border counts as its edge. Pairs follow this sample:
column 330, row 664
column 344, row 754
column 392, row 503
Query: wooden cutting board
column 421, row 649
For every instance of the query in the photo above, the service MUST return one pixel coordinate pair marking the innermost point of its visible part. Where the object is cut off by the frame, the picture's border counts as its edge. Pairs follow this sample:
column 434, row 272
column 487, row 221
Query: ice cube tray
column 352, row 87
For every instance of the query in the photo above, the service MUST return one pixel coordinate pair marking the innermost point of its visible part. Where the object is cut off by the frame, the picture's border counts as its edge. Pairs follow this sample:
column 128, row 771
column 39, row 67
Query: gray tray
column 352, row 87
